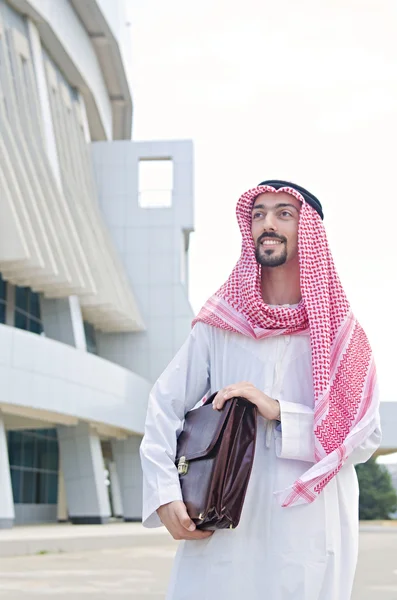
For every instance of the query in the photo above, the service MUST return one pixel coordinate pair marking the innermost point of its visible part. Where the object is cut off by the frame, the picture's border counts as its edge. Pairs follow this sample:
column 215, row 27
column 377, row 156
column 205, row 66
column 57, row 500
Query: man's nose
column 269, row 223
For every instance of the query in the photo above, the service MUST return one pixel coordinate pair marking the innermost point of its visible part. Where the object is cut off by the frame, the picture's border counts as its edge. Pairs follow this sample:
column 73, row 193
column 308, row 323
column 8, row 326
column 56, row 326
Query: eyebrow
column 281, row 205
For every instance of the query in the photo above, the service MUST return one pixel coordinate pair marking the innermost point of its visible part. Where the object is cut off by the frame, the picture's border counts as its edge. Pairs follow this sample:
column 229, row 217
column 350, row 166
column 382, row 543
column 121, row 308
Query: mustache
column 272, row 236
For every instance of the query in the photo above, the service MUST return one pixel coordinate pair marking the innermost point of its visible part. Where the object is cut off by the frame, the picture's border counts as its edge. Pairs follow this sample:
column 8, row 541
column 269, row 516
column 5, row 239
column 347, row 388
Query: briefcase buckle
column 183, row 465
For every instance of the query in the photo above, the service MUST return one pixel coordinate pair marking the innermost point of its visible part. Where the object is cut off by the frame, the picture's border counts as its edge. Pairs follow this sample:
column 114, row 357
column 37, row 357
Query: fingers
column 183, row 517
column 238, row 389
column 184, row 528
column 219, row 400
column 199, row 535
column 176, row 519
column 183, row 534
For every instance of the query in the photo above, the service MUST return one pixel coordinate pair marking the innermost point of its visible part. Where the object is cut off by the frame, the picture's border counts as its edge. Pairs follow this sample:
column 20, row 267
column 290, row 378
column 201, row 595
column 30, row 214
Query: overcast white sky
column 305, row 91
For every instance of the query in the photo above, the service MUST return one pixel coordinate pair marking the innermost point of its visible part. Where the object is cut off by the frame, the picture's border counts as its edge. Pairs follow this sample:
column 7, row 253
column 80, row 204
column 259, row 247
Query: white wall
column 50, row 376
column 149, row 244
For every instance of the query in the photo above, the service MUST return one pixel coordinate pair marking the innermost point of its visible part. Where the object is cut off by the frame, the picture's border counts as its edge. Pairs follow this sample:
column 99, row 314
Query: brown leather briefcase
column 215, row 454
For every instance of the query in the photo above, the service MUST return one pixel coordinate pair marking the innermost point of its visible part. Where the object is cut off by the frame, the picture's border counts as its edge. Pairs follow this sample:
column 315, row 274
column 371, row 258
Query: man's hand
column 267, row 407
column 174, row 516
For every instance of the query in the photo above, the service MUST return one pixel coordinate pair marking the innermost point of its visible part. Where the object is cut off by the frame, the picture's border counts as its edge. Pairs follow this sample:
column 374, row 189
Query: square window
column 155, row 183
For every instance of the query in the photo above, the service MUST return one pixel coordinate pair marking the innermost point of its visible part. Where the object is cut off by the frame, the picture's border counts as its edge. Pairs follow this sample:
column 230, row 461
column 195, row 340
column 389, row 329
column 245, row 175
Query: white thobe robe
column 306, row 552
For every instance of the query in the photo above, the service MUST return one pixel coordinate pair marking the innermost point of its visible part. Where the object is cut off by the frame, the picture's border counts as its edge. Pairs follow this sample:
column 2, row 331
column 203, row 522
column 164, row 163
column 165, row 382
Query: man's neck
column 281, row 285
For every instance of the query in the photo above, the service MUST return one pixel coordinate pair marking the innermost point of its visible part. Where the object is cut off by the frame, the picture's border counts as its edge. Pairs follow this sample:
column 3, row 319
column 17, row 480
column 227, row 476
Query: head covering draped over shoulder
column 344, row 377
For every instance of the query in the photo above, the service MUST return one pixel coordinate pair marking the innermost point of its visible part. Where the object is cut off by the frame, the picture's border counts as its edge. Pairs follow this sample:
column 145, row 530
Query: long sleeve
column 184, row 382
column 297, row 438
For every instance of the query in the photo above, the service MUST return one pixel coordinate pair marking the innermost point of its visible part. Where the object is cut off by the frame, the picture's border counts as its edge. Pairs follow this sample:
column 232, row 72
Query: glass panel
column 2, row 312
column 15, row 448
column 21, row 298
column 21, row 320
column 90, row 338
column 16, row 481
column 42, row 453
column 3, row 288
column 29, row 447
column 40, row 433
column 53, row 455
column 52, row 489
column 29, row 486
column 34, row 305
column 35, row 326
column 41, row 495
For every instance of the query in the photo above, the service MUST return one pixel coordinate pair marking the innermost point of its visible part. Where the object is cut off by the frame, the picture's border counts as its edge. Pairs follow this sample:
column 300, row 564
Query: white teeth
column 270, row 242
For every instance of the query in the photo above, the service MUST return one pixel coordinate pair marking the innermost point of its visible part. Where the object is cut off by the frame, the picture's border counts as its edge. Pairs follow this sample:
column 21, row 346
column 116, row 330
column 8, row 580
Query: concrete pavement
column 376, row 576
column 34, row 539
column 139, row 567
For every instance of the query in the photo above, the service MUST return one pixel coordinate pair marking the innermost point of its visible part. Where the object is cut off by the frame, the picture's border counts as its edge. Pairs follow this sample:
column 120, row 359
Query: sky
column 304, row 91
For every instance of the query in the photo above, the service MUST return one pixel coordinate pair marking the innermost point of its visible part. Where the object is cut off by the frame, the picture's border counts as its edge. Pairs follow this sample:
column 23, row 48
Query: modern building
column 94, row 238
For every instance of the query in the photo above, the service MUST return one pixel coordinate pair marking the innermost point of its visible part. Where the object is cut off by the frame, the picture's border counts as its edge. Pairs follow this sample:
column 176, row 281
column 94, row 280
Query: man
column 280, row 333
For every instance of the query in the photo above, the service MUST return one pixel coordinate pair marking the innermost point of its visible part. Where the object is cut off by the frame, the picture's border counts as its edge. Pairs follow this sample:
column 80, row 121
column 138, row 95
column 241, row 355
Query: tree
column 378, row 498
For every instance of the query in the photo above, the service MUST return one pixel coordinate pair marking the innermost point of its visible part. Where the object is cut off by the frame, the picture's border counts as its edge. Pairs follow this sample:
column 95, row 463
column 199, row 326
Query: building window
column 90, row 338
column 155, row 183
column 27, row 313
column 3, row 299
column 33, row 456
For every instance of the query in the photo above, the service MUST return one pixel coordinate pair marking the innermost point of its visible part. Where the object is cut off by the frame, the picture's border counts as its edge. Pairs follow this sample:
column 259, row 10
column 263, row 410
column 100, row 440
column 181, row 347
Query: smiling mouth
column 269, row 242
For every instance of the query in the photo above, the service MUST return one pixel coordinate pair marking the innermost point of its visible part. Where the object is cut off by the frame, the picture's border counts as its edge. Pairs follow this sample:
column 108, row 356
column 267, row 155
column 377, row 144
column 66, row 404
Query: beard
column 270, row 257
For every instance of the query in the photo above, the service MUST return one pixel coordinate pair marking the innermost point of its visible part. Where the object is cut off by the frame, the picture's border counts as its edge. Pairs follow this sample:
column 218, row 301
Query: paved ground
column 376, row 577
column 141, row 572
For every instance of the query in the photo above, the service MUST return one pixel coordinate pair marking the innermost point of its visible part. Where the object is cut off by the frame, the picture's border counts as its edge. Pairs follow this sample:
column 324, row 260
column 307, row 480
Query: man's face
column 275, row 222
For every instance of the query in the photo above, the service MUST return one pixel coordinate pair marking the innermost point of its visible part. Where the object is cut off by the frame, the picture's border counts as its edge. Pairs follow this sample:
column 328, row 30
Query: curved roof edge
column 105, row 48
column 112, row 65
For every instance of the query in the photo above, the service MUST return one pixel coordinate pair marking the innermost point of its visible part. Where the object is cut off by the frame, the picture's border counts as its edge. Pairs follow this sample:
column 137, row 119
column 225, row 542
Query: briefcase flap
column 202, row 429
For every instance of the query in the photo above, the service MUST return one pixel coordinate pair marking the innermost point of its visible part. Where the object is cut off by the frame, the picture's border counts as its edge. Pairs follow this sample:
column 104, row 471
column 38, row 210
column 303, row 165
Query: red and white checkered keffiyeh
column 344, row 376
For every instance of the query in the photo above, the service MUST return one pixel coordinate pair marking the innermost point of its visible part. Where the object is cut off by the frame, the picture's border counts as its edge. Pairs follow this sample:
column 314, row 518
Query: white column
column 7, row 514
column 84, row 474
column 117, row 503
column 128, row 464
column 62, row 510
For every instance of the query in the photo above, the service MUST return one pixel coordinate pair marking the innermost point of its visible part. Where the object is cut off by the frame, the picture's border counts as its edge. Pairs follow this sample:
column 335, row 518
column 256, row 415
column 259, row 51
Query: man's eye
column 256, row 215
column 286, row 213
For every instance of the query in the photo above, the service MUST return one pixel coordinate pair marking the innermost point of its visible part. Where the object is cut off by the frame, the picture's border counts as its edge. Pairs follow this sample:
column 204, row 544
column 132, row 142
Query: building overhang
column 109, row 57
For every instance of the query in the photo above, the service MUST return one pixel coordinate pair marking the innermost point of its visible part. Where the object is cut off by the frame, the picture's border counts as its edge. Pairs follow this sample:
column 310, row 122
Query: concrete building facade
column 94, row 240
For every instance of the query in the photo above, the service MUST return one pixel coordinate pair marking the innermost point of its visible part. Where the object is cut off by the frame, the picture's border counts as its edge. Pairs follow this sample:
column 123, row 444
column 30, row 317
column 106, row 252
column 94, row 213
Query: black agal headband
column 310, row 199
